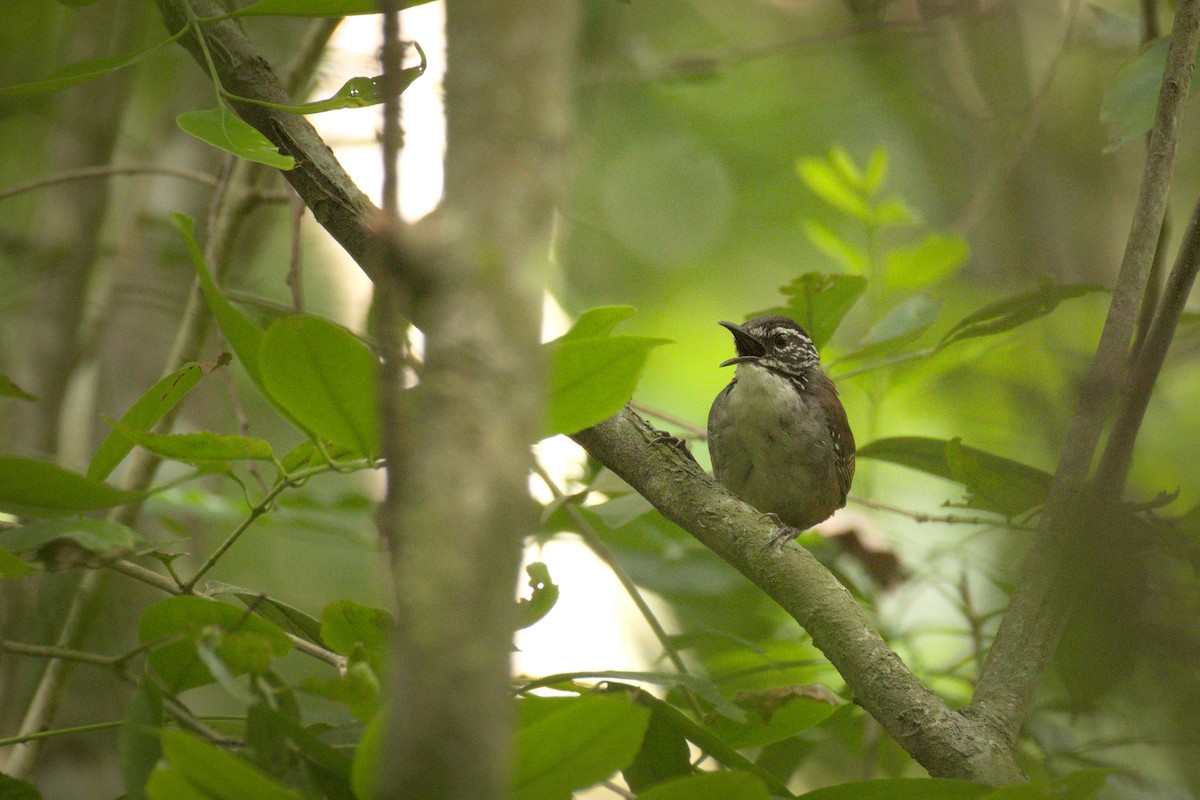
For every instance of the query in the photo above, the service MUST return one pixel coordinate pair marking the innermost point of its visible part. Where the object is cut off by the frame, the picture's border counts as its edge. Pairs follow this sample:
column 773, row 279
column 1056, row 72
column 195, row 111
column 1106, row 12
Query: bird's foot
column 785, row 534
column 664, row 437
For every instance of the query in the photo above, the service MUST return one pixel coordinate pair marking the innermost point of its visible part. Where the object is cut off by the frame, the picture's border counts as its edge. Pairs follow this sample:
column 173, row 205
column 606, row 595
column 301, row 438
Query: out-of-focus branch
column 1041, row 605
column 943, row 741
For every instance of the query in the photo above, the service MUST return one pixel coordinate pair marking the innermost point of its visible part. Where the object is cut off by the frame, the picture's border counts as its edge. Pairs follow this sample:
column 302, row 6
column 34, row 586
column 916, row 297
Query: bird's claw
column 664, row 437
column 785, row 534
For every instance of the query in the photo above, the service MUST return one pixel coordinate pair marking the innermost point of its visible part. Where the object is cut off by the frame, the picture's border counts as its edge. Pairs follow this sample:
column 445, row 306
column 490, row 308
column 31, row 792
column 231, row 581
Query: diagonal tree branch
column 942, row 740
column 1041, row 605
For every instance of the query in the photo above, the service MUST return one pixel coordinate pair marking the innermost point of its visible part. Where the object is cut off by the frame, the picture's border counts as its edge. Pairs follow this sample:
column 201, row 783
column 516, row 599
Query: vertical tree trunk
column 462, row 506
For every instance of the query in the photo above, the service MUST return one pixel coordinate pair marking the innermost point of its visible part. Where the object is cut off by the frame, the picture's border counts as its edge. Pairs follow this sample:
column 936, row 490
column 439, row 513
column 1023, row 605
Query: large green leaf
column 325, row 378
column 346, row 625
column 82, row 72
column 317, row 8
column 777, row 714
column 819, row 301
column 599, row 321
column 194, row 768
column 569, row 743
column 13, row 789
column 1080, row 785
column 1004, row 315
column 994, row 483
column 591, row 378
column 542, row 598
column 32, row 488
column 664, row 753
column 899, row 327
column 933, row 259
column 182, row 621
column 710, row 786
column 1131, row 99
column 901, row 789
column 143, row 415
column 225, row 130
column 13, row 567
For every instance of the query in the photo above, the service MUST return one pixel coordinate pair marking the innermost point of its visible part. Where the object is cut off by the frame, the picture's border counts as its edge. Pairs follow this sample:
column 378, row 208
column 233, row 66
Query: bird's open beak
column 749, row 347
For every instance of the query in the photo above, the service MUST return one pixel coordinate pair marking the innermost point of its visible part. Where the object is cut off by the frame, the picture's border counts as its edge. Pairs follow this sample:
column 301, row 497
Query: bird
column 778, row 433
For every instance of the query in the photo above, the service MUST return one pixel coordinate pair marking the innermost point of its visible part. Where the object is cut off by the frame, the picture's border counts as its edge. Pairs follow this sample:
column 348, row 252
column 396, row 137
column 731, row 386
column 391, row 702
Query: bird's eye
column 779, row 340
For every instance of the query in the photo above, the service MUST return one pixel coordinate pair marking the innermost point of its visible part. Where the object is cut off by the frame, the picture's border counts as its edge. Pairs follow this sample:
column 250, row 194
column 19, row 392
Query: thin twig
column 597, row 546
column 61, row 653
column 105, row 172
column 921, row 516
column 146, row 576
column 295, row 276
column 694, row 430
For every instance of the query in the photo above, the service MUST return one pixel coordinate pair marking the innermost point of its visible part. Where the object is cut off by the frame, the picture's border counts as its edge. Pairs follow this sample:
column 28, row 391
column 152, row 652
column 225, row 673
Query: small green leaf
column 347, row 625
column 877, row 168
column 901, row 789
column 12, row 567
column 1127, row 110
column 203, row 770
column 1009, row 313
column 599, row 321
column 902, row 325
column 828, row 183
column 819, row 301
column 592, row 378
column 357, row 92
column 542, row 599
column 933, row 259
column 64, row 543
column 194, row 448
column 289, row 618
column 364, row 771
column 996, row 483
column 139, row 743
column 1081, row 785
column 318, row 8
column 833, row 245
column 31, row 488
column 776, row 714
column 844, row 164
column 143, row 415
column 81, row 72
column 569, row 743
column 10, row 389
column 710, row 786
column 183, row 620
column 358, row 689
column 242, row 334
column 895, row 212
column 664, row 753
column 325, row 378
column 225, row 130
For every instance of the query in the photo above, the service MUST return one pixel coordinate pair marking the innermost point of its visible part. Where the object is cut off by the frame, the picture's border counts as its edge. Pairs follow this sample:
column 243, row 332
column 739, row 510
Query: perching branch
column 943, row 741
column 1041, row 605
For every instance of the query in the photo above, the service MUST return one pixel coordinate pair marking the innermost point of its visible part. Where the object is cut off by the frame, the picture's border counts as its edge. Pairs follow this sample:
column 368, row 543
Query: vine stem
column 86, row 173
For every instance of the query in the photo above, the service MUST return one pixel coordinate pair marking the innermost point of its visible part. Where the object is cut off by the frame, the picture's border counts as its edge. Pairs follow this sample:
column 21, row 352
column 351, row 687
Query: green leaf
column 833, row 245
column 933, row 259
column 569, row 743
column 901, row 789
column 194, row 448
column 81, row 72
column 542, row 599
column 206, row 771
column 357, row 92
column 225, row 130
column 65, row 543
column 901, row 326
column 308, row 744
column 12, row 567
column 289, row 618
column 364, row 771
column 1129, row 104
column 185, row 619
column 31, row 488
column 242, row 334
column 592, row 378
column 317, row 8
column 10, row 389
column 710, row 786
column 346, row 625
column 139, row 742
column 995, row 483
column 325, row 378
column 1011, row 312
column 777, row 714
column 664, row 754
column 877, row 168
column 819, row 301
column 844, row 164
column 599, row 321
column 828, row 183
column 13, row 789
column 144, row 414
column 358, row 689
